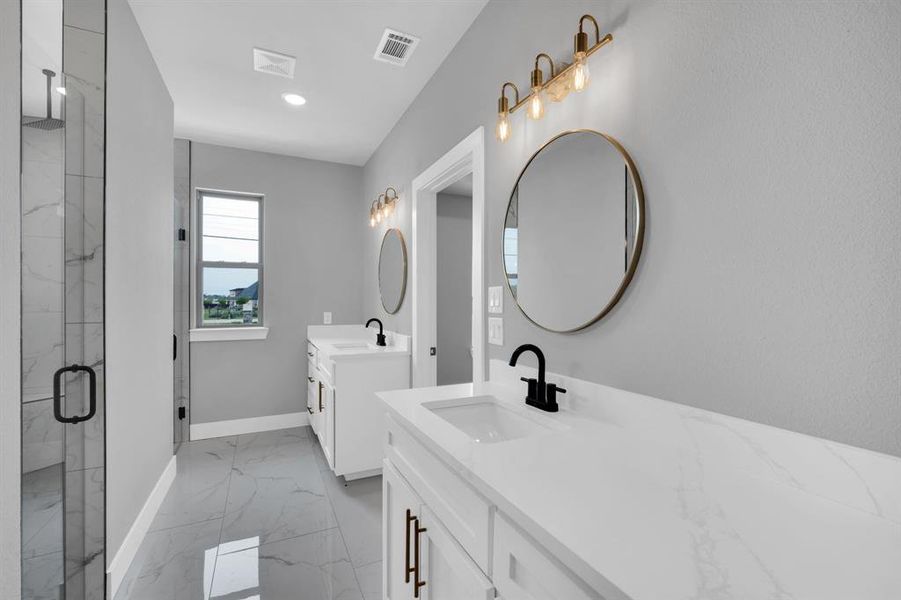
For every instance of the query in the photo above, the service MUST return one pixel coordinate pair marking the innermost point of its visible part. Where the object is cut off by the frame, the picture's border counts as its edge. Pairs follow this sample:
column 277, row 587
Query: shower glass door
column 63, row 442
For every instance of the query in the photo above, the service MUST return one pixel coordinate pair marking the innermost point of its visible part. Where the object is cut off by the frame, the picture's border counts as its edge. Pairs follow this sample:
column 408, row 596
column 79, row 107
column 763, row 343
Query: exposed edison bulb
column 371, row 220
column 502, row 130
column 581, row 74
column 536, row 104
column 378, row 215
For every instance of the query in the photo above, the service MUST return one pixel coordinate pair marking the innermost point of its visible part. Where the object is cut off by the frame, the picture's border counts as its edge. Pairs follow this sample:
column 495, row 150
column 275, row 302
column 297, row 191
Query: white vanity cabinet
column 421, row 558
column 469, row 548
column 345, row 370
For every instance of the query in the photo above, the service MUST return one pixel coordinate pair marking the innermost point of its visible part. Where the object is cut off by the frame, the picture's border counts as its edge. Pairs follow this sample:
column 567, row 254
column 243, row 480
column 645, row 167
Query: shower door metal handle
column 57, row 393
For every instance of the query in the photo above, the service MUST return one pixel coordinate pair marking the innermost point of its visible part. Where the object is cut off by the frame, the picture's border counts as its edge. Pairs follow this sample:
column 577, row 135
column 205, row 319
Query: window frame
column 200, row 263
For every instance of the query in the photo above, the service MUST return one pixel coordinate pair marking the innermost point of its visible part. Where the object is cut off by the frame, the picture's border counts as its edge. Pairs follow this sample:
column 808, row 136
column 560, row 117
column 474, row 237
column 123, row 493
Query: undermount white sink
column 351, row 345
column 486, row 420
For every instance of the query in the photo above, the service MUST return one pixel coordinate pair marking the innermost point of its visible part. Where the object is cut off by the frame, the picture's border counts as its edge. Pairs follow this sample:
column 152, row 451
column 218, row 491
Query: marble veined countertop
column 651, row 500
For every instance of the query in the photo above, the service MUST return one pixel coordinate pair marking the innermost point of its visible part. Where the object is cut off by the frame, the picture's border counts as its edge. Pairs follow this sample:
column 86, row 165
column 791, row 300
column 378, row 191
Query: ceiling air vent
column 274, row 63
column 396, row 47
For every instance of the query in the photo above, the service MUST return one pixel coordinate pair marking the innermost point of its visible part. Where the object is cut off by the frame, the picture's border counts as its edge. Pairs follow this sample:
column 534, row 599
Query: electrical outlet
column 326, row 318
column 496, row 331
column 496, row 299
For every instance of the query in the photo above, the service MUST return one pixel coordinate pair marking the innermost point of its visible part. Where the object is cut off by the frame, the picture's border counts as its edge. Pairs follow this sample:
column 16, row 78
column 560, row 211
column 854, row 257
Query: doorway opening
column 461, row 170
column 454, row 274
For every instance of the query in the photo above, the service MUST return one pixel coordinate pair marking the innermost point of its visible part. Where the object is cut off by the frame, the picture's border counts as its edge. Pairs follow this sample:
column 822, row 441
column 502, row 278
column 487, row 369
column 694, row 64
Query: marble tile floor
column 260, row 517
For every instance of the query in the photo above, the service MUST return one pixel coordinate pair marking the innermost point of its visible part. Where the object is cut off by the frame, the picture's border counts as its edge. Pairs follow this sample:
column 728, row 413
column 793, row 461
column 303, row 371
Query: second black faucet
column 380, row 336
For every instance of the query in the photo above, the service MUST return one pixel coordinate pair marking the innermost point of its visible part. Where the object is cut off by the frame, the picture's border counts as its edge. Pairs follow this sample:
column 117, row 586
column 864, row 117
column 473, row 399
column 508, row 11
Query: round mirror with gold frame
column 573, row 231
column 393, row 270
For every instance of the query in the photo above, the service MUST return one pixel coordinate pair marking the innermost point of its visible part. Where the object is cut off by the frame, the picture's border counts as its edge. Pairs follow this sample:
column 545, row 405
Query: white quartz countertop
column 349, row 341
column 336, row 348
column 657, row 507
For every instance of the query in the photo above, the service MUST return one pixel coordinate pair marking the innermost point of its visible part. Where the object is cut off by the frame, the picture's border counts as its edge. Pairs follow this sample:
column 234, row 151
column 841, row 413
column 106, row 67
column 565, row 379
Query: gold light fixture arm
column 503, row 105
column 549, row 60
column 597, row 30
column 390, row 198
column 581, row 45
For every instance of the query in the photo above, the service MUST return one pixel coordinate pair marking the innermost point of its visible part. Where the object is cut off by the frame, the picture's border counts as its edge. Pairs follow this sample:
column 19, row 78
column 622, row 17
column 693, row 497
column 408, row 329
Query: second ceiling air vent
column 274, row 63
column 396, row 47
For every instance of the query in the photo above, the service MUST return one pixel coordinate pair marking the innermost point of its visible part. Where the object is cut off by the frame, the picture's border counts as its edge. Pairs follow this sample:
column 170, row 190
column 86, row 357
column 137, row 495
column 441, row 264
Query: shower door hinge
column 181, row 412
column 182, row 234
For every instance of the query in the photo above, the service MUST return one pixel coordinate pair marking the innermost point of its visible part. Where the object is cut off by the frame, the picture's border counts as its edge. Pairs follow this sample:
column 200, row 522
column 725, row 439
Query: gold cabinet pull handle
column 407, row 568
column 416, row 582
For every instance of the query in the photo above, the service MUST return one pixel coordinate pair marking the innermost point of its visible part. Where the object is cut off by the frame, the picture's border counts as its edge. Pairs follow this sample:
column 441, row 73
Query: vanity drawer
column 313, row 354
column 523, row 570
column 462, row 510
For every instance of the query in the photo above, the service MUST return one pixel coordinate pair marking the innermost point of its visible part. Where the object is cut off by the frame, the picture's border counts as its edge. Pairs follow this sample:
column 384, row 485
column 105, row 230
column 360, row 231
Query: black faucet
column 541, row 395
column 380, row 336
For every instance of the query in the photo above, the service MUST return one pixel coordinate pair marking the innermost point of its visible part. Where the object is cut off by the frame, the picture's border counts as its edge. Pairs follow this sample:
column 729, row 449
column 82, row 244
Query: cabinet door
column 399, row 507
column 445, row 571
column 327, row 422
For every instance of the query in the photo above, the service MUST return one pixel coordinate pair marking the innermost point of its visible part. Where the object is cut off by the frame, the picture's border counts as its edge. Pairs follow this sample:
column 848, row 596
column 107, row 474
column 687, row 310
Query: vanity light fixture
column 536, row 98
column 573, row 77
column 382, row 209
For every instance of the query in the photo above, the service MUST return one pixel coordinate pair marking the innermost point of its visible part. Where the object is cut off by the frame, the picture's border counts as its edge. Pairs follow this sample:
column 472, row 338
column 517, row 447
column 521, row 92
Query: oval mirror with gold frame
column 573, row 231
column 393, row 270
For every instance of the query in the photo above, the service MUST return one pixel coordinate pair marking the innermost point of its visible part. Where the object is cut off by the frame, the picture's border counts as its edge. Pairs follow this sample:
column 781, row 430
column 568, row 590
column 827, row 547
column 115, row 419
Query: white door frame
column 466, row 157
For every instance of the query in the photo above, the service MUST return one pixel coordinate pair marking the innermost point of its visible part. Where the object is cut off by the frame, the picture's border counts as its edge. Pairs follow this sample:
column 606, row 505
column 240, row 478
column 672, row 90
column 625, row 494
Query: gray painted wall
column 139, row 184
column 313, row 240
column 10, row 307
column 454, row 244
column 769, row 287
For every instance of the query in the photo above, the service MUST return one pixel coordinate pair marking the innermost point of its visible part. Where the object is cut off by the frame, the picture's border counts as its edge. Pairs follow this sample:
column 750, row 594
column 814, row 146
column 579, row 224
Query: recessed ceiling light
column 294, row 99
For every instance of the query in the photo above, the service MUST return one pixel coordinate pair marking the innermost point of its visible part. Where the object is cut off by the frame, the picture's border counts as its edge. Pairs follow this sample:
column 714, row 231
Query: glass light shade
column 581, row 74
column 536, row 104
column 502, row 130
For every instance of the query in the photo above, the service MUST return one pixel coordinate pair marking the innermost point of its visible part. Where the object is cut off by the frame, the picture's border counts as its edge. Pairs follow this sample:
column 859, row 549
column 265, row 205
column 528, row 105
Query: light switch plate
column 326, row 318
column 496, row 331
column 496, row 299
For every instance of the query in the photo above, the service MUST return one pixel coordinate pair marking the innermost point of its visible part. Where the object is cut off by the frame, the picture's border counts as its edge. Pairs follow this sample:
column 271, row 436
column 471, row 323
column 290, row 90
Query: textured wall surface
column 139, row 208
column 312, row 243
column 769, row 288
column 10, row 304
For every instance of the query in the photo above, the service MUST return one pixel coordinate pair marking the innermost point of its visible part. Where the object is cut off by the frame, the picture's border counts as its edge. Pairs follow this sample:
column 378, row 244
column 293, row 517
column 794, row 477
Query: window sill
column 228, row 334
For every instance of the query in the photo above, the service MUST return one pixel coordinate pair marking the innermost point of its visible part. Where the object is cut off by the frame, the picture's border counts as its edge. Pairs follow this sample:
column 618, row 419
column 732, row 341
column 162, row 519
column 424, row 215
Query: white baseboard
column 202, row 431
column 118, row 567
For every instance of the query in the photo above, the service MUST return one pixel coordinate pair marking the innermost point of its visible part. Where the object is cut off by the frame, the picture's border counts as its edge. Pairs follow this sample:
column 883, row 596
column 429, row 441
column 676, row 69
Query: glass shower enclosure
column 63, row 437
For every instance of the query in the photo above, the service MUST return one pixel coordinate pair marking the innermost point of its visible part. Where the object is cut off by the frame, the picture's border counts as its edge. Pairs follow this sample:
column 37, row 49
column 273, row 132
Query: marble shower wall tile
column 85, row 14
column 84, row 81
column 42, row 352
column 42, row 274
column 84, row 249
column 84, row 523
column 42, row 577
column 42, row 197
column 42, row 436
column 43, row 146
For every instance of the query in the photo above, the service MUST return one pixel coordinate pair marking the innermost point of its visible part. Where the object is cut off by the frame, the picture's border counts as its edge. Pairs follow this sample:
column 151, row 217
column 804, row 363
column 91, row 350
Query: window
column 229, row 251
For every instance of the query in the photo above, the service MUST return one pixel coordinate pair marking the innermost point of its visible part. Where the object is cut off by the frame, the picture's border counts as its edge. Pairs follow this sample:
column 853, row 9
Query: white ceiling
column 204, row 52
